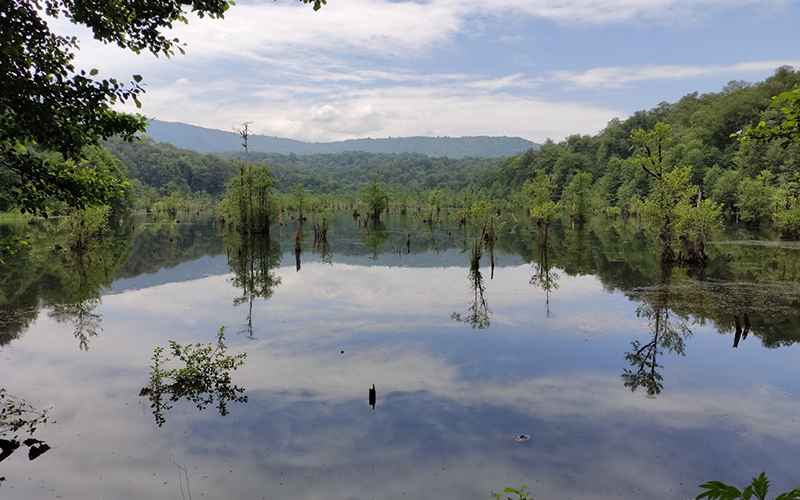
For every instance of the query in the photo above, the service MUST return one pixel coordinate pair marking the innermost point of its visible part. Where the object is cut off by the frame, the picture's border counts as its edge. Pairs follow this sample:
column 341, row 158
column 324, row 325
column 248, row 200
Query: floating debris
column 522, row 438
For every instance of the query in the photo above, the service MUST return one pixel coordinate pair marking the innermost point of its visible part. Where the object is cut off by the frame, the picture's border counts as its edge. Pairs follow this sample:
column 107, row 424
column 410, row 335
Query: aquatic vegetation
column 203, row 377
column 758, row 489
column 376, row 199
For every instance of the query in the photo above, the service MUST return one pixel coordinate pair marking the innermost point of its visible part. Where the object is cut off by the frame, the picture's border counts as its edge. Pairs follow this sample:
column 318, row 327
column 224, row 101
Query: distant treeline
column 168, row 169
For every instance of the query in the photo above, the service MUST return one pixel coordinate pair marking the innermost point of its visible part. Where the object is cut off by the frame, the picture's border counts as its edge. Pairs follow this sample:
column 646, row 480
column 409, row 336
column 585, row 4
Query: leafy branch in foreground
column 204, row 377
column 509, row 493
column 758, row 489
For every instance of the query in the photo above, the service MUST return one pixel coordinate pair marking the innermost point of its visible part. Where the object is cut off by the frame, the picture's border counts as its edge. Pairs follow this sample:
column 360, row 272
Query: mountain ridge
column 208, row 140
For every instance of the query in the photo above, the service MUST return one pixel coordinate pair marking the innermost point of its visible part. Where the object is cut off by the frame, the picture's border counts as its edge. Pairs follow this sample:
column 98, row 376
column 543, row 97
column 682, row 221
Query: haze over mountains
column 208, row 140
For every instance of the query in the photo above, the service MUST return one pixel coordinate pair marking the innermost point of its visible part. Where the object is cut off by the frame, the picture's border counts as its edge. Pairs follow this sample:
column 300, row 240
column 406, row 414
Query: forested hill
column 207, row 140
column 703, row 136
column 167, row 168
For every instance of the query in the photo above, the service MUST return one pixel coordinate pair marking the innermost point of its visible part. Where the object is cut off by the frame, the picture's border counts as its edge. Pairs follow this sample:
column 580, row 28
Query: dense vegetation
column 702, row 136
column 167, row 168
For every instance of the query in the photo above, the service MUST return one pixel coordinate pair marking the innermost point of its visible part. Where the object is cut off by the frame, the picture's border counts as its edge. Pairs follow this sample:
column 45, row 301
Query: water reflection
column 86, row 322
column 544, row 277
column 478, row 315
column 375, row 236
column 198, row 373
column 253, row 260
column 45, row 272
column 452, row 402
column 19, row 421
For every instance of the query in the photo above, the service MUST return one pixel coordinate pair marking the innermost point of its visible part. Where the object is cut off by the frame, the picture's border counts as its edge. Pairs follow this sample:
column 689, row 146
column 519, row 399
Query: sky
column 536, row 69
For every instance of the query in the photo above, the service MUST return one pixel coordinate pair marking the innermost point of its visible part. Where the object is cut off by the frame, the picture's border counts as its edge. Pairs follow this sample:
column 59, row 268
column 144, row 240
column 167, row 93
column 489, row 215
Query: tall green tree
column 376, row 200
column 576, row 196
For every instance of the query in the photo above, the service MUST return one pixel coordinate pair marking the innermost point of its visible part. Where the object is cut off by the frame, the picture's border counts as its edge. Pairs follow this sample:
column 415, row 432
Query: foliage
column 695, row 132
column 167, row 168
column 510, row 493
column 81, row 226
column 758, row 489
column 696, row 225
column 576, row 197
column 376, row 199
column 203, row 377
column 248, row 203
column 780, row 122
column 539, row 194
column 754, row 198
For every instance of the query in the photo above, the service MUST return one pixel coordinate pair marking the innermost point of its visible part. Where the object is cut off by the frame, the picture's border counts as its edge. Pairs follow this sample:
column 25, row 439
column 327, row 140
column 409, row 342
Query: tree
column 248, row 202
column 696, row 224
column 786, row 210
column 754, row 198
column 48, row 105
column 299, row 194
column 780, row 122
column 539, row 193
column 670, row 199
column 376, row 199
column 576, row 196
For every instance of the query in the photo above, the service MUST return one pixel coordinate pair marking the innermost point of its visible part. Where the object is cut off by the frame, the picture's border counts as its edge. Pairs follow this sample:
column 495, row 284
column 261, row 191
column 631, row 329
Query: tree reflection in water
column 252, row 258
column 543, row 276
column 86, row 323
column 668, row 332
column 202, row 376
column 478, row 314
column 19, row 420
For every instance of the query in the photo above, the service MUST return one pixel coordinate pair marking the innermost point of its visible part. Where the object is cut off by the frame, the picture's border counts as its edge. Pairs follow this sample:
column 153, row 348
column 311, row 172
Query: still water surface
column 623, row 377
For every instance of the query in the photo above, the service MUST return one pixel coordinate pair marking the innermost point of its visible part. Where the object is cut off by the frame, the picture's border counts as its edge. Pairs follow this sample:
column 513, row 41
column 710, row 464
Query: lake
column 577, row 366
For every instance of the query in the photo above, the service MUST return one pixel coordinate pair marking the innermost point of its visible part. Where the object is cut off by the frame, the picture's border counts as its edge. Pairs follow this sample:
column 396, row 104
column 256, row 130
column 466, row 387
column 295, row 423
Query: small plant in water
column 509, row 493
column 203, row 377
column 757, row 489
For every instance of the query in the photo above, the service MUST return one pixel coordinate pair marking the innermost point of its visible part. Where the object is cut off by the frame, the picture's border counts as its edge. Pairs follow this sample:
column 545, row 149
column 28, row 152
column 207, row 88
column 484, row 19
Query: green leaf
column 716, row 490
column 790, row 495
column 760, row 486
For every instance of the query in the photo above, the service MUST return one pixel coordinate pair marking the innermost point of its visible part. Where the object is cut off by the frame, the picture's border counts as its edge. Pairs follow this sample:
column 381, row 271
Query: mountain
column 206, row 140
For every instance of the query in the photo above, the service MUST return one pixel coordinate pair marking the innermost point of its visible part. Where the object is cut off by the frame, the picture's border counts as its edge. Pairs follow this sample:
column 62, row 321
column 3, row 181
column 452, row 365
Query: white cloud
column 620, row 76
column 288, row 30
column 352, row 69
column 609, row 11
column 400, row 110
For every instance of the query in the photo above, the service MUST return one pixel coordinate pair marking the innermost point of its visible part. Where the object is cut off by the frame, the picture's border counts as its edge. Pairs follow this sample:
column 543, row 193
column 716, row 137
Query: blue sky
column 531, row 68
